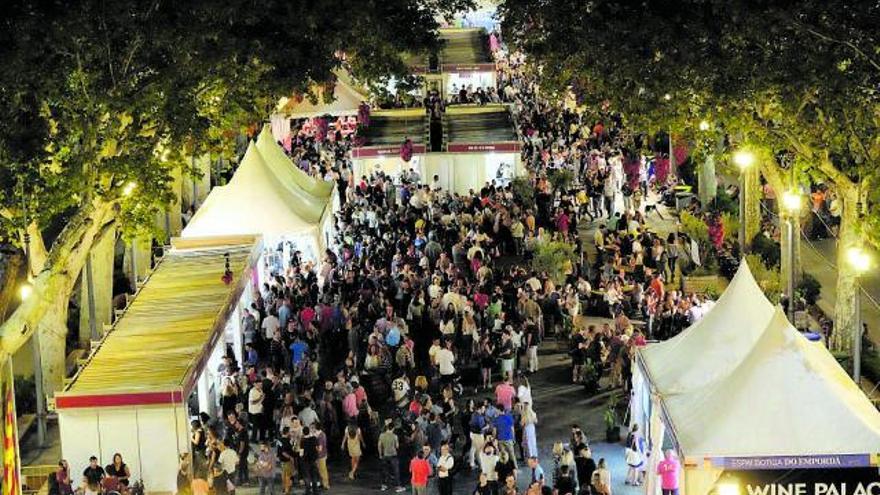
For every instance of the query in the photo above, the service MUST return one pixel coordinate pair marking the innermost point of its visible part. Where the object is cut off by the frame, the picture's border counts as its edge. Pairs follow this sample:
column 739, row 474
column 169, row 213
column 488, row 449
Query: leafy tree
column 794, row 81
column 100, row 102
column 555, row 258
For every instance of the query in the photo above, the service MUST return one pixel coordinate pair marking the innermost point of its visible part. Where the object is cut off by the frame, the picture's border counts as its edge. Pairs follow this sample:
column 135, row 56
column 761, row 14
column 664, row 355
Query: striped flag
column 11, row 480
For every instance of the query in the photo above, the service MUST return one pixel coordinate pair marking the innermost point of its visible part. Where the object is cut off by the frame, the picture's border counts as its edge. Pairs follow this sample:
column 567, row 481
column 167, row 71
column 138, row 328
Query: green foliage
column 730, row 221
column 524, row 191
column 808, row 288
column 554, row 258
column 97, row 95
column 560, row 179
column 767, row 249
column 725, row 203
column 768, row 278
column 796, row 79
column 610, row 414
column 871, row 365
column 694, row 227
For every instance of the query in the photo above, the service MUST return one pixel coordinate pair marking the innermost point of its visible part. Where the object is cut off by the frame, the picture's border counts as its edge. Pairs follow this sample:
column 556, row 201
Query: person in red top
column 420, row 470
column 504, row 394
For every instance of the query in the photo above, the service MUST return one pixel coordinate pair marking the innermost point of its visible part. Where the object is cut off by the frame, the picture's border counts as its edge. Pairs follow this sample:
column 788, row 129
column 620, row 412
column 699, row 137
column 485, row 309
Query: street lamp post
column 744, row 160
column 860, row 262
column 791, row 202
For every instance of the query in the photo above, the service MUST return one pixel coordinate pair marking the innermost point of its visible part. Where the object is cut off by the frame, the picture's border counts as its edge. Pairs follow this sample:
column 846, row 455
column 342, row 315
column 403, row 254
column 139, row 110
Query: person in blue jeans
column 504, row 431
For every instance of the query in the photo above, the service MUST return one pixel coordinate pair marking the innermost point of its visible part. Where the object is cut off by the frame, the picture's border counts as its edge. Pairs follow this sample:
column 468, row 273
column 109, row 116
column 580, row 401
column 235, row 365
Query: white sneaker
column 400, row 489
column 383, row 487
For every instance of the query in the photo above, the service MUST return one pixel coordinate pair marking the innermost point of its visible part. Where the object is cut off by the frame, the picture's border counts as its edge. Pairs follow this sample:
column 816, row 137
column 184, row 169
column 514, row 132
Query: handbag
column 632, row 457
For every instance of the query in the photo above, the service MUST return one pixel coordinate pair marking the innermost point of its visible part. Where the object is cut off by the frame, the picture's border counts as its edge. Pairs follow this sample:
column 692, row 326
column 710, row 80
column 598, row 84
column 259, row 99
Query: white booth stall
column 131, row 396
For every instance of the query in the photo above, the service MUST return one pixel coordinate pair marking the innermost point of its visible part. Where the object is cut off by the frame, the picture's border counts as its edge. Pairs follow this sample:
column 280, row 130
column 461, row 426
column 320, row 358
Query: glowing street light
column 791, row 204
column 25, row 290
column 667, row 97
column 743, row 159
column 860, row 261
column 791, row 201
column 704, row 125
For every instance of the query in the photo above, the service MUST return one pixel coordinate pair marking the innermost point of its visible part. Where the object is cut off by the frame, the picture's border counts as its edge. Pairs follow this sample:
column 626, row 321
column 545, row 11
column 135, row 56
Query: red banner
column 511, row 147
column 468, row 67
column 376, row 151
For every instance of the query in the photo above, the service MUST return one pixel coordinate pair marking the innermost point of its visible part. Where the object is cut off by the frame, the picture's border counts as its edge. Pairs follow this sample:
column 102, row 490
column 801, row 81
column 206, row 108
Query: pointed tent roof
column 254, row 202
column 789, row 396
column 346, row 102
column 713, row 346
column 301, row 184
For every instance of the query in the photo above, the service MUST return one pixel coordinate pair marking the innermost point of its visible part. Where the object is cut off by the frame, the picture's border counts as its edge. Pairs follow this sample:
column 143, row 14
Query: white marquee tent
column 742, row 383
column 714, row 345
column 256, row 203
column 346, row 102
column 789, row 396
column 318, row 197
column 299, row 182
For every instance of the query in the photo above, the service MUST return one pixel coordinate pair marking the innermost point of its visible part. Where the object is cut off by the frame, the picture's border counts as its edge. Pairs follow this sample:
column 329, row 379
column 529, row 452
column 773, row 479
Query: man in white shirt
column 255, row 411
column 444, row 470
column 446, row 362
column 270, row 324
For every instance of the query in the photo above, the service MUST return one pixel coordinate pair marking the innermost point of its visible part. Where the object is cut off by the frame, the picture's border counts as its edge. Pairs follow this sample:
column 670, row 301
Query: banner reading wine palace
column 802, row 475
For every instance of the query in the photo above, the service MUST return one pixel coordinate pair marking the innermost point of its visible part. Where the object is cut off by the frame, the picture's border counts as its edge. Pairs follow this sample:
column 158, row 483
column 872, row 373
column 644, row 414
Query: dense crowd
column 412, row 341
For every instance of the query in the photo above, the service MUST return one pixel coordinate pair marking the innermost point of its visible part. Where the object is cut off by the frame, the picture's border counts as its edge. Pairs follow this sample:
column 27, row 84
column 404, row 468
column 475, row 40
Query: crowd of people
column 411, row 342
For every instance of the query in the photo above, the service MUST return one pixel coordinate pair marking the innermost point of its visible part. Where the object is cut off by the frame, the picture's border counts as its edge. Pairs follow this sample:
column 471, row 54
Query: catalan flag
column 11, row 472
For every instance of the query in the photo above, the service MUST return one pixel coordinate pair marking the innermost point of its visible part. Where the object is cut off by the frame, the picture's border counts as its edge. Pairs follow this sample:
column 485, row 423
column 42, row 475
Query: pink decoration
column 363, row 116
column 680, row 151
column 661, row 169
column 321, row 128
column 716, row 233
column 406, row 150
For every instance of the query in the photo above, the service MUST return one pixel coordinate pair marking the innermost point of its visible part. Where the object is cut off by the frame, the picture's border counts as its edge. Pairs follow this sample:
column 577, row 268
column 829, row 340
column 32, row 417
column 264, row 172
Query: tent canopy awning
column 346, row 101
column 788, row 397
column 315, row 192
column 255, row 202
column 157, row 349
column 713, row 347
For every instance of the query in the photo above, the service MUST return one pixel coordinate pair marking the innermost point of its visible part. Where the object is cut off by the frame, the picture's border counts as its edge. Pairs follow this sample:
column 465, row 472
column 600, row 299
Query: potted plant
column 612, row 428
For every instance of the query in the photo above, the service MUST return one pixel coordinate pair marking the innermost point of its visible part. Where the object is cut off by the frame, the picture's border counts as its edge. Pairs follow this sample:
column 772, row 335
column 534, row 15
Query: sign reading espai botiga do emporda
column 811, row 481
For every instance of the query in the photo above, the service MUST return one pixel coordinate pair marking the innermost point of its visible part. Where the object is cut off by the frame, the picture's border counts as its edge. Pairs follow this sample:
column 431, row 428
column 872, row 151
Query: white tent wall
column 461, row 172
column 391, row 165
column 468, row 78
column 150, row 440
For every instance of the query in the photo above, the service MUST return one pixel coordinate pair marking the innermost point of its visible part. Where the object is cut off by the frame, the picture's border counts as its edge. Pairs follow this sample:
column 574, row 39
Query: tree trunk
column 752, row 215
column 707, row 184
column 46, row 308
column 844, row 306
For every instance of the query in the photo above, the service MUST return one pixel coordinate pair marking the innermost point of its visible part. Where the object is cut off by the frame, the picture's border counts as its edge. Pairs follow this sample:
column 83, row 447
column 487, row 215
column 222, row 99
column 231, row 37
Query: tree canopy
column 101, row 102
